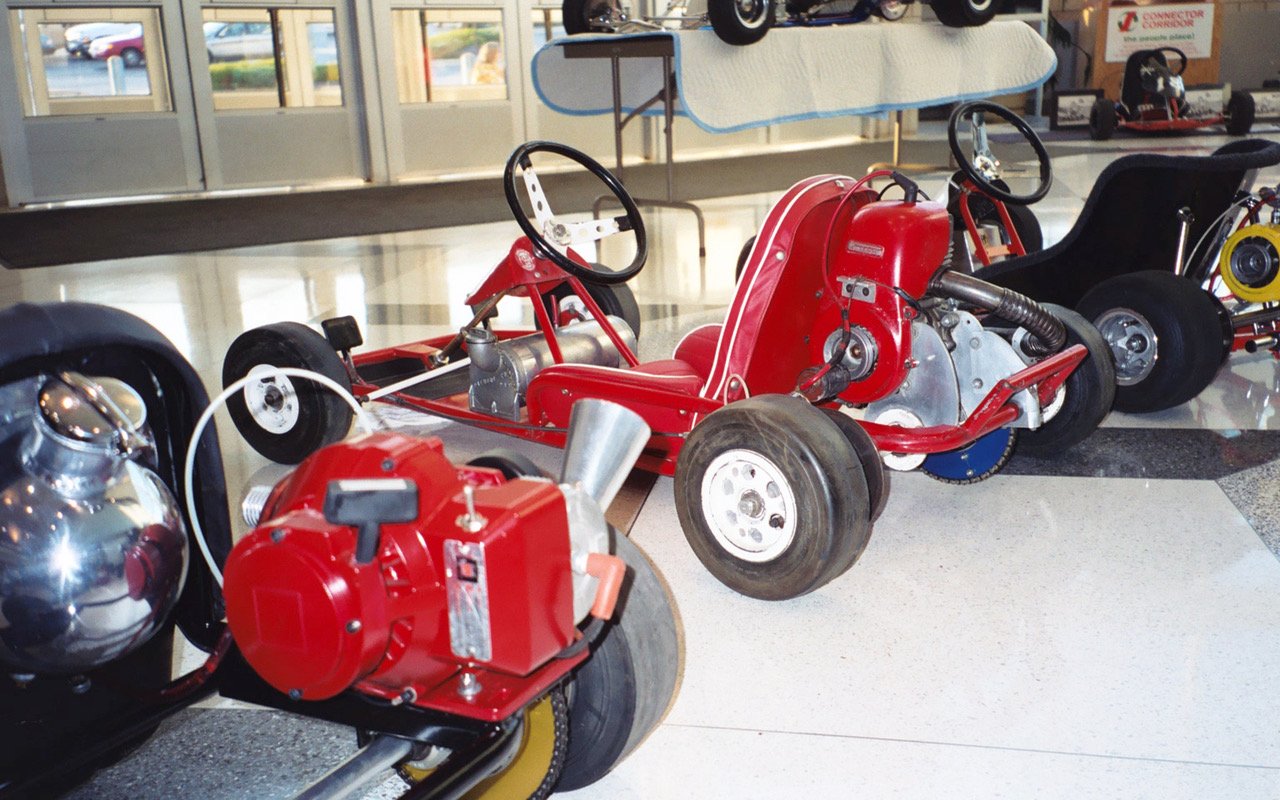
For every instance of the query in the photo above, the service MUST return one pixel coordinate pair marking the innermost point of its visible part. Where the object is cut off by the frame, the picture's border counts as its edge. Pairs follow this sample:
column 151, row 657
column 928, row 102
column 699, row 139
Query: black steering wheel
column 1182, row 59
column 552, row 237
column 981, row 166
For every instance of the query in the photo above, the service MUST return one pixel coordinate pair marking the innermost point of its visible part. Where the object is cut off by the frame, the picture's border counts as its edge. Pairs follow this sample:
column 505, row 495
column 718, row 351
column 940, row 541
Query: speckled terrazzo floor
column 1103, row 625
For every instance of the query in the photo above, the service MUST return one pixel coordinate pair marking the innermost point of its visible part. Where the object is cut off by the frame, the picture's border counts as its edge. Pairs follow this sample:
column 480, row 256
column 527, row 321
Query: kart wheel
column 976, row 461
column 743, row 254
column 622, row 692
column 772, row 499
column 1240, row 113
column 964, row 13
column 1086, row 397
column 868, row 456
column 984, row 212
column 1164, row 334
column 1102, row 119
column 891, row 10
column 131, row 56
column 740, row 21
column 585, row 16
column 1227, row 326
column 539, row 759
column 510, row 463
column 617, row 301
column 286, row 419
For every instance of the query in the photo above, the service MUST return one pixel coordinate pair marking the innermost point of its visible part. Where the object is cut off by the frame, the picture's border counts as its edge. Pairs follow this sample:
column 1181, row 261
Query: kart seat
column 698, row 348
column 1132, row 87
column 1129, row 221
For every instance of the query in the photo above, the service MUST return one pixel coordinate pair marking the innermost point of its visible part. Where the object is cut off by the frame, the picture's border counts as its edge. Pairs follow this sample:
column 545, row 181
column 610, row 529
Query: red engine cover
column 895, row 244
column 314, row 622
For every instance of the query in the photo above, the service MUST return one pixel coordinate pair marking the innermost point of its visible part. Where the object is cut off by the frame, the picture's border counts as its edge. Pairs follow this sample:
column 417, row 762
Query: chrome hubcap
column 1133, row 343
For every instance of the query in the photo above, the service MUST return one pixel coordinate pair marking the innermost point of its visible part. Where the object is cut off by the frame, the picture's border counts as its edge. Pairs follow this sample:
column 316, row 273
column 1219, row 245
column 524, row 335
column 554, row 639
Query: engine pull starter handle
column 367, row 504
column 610, row 570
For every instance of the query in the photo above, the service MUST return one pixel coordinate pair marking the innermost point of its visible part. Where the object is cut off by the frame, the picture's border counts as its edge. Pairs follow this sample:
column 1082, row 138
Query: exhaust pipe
column 1048, row 332
column 604, row 441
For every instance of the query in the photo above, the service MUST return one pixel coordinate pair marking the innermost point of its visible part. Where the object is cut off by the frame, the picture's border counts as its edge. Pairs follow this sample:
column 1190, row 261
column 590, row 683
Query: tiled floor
column 1103, row 626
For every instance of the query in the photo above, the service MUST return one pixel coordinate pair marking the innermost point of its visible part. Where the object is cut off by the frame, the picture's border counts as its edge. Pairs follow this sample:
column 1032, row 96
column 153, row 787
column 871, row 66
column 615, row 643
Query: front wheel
column 772, row 497
column 616, row 300
column 1164, row 333
column 132, row 57
column 1084, row 400
column 286, row 419
column 964, row 13
column 1102, row 119
column 1240, row 113
column 741, row 21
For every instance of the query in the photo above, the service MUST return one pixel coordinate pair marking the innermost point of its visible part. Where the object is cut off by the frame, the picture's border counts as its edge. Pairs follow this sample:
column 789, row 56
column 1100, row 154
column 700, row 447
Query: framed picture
column 1205, row 100
column 1266, row 103
column 1071, row 108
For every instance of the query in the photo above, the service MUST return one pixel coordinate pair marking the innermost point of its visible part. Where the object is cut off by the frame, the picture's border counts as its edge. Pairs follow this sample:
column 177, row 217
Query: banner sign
column 1186, row 26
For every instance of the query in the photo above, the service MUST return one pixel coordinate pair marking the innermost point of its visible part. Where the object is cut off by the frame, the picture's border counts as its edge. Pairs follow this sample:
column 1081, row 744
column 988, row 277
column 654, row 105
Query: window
column 272, row 58
column 89, row 60
column 447, row 55
column 548, row 24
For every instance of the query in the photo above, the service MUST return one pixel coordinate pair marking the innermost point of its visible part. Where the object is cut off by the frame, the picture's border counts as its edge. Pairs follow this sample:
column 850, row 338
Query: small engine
column 382, row 566
column 501, row 370
column 1250, row 262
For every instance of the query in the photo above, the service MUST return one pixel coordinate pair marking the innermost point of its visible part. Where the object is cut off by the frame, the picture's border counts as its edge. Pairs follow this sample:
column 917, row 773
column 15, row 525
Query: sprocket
column 975, row 462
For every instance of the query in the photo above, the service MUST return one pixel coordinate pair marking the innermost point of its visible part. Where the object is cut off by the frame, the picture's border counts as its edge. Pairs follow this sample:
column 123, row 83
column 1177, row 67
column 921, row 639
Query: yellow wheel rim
column 537, row 762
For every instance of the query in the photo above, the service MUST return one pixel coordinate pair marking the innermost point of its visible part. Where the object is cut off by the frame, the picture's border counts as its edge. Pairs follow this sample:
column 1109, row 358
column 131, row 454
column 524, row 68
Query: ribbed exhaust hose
column 1048, row 332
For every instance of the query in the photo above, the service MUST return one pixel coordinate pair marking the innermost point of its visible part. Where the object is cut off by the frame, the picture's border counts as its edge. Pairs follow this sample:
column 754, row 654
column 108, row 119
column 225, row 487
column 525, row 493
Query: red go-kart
column 846, row 305
column 1153, row 98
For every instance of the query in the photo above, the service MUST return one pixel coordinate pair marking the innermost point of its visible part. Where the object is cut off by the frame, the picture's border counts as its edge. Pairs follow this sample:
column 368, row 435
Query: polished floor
column 1107, row 625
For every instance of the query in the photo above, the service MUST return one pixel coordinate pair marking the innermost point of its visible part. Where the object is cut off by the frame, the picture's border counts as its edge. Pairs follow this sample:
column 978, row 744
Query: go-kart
column 742, row 22
column 846, row 301
column 1152, row 260
column 478, row 625
column 1154, row 99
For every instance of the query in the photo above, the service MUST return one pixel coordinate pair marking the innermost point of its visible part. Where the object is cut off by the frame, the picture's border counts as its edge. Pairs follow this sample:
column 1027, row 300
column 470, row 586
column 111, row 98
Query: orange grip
column 610, row 570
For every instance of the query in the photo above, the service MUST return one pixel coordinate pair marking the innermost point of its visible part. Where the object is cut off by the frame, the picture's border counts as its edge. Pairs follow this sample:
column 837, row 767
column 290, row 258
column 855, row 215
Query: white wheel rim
column 1133, row 343
column 749, row 506
column 272, row 401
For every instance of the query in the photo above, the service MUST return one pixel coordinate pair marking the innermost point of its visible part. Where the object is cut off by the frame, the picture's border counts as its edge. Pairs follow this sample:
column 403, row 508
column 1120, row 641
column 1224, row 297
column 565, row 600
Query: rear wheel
column 131, row 56
column 964, row 13
column 743, row 255
column 1102, row 119
column 1164, row 333
column 868, row 456
column 286, row 419
column 538, row 762
column 740, row 21
column 1240, row 113
column 1086, row 397
column 772, row 497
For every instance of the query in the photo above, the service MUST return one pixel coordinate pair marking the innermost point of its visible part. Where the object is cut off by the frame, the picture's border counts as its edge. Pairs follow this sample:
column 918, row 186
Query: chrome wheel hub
column 1133, row 343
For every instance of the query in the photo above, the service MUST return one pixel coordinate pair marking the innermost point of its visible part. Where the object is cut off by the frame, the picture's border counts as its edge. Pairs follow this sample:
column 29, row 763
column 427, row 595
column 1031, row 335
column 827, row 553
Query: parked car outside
column 126, row 45
column 79, row 37
column 239, row 41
